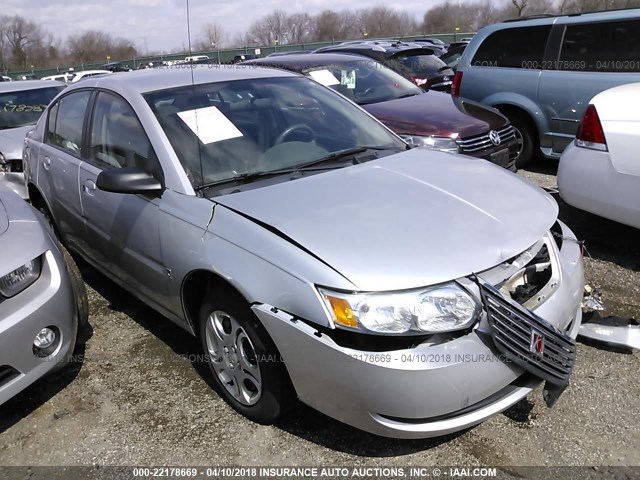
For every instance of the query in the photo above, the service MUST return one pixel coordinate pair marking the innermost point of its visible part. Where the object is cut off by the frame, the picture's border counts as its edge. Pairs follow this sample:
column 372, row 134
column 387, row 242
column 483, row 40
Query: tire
column 79, row 289
column 250, row 361
column 82, row 307
column 527, row 135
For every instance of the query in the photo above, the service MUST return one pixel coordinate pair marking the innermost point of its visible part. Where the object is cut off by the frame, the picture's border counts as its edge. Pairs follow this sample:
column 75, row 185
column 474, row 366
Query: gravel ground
column 136, row 399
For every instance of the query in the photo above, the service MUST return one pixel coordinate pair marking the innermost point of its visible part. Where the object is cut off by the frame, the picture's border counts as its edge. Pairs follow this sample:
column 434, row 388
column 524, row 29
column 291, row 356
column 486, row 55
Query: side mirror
column 127, row 180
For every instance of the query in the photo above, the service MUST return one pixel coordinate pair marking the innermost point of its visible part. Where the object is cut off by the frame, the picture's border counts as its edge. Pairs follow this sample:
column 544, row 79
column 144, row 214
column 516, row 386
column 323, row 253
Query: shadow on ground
column 303, row 421
column 44, row 389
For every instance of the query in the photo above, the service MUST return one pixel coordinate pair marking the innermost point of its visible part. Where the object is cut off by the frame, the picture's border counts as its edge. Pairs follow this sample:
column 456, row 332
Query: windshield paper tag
column 209, row 124
column 325, row 77
column 348, row 79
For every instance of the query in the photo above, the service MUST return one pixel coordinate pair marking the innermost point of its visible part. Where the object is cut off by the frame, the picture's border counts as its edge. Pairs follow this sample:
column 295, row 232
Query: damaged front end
column 524, row 335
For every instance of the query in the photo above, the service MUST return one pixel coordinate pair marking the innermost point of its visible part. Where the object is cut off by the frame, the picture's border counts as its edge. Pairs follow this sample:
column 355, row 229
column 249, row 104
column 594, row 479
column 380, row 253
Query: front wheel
column 247, row 369
column 527, row 140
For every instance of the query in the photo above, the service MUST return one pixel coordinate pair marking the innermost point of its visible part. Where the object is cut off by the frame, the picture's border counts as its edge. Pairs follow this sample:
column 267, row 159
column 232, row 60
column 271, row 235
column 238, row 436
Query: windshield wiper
column 305, row 167
column 407, row 95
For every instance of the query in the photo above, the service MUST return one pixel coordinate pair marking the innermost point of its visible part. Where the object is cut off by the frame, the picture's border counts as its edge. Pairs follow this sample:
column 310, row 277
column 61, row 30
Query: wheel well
column 36, row 197
column 39, row 203
column 509, row 110
column 194, row 288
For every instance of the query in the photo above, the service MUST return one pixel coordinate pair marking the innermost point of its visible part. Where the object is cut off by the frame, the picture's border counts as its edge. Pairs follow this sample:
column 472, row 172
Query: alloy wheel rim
column 233, row 358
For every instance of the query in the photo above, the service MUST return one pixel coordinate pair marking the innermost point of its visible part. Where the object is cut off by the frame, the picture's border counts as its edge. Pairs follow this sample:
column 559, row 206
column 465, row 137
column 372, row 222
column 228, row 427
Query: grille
column 7, row 374
column 483, row 142
column 515, row 330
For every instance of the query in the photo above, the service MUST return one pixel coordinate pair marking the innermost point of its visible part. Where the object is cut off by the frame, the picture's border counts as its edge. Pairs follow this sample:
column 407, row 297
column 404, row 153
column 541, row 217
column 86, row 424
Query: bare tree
column 520, row 5
column 270, row 30
column 213, row 35
column 299, row 30
column 20, row 34
column 97, row 46
column 4, row 20
column 384, row 22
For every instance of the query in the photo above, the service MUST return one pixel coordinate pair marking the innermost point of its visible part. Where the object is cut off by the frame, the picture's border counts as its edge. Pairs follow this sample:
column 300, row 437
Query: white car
column 88, row 73
column 63, row 77
column 600, row 171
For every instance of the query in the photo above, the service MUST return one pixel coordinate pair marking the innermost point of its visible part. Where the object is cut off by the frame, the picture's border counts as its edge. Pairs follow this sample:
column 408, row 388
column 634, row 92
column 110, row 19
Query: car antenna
column 191, row 66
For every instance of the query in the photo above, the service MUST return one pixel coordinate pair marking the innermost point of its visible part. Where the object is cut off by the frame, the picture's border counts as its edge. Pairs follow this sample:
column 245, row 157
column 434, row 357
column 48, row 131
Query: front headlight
column 430, row 310
column 21, row 278
column 444, row 144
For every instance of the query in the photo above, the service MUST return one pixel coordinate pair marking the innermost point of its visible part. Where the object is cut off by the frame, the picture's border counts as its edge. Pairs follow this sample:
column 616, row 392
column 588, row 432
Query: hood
column 4, row 218
column 413, row 219
column 436, row 113
column 12, row 140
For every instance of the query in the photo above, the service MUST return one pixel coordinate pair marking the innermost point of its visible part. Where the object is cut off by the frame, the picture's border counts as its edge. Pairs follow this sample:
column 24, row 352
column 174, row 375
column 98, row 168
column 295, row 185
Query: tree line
column 24, row 43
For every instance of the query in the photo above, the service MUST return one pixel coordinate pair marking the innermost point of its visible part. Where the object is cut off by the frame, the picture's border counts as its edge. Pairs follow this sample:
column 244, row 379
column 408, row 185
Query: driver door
column 122, row 229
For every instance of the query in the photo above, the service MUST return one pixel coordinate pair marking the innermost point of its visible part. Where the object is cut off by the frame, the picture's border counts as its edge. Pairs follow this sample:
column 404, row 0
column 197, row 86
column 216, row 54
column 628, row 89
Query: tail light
column 455, row 86
column 591, row 135
column 418, row 81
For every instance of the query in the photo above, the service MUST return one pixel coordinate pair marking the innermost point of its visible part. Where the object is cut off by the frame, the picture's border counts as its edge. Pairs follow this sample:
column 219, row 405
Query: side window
column 51, row 122
column 602, row 47
column 513, row 48
column 66, row 131
column 117, row 137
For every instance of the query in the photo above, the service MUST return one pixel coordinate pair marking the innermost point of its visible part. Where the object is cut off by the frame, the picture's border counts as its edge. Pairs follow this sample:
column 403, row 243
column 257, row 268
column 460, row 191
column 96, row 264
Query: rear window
column 513, row 48
column 421, row 65
column 602, row 47
column 24, row 107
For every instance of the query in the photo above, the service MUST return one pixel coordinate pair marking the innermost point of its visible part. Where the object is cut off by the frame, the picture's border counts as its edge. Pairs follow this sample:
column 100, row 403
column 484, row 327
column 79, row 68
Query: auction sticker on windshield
column 325, row 77
column 209, row 124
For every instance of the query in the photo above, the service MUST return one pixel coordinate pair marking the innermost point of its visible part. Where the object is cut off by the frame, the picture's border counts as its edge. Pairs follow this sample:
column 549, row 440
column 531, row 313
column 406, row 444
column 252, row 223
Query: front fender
column 521, row 102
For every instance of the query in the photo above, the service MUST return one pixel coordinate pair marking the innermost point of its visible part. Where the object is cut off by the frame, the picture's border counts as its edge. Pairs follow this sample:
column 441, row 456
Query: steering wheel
column 301, row 127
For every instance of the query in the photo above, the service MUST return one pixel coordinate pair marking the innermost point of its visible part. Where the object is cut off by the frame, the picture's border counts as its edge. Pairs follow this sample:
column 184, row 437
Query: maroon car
column 427, row 119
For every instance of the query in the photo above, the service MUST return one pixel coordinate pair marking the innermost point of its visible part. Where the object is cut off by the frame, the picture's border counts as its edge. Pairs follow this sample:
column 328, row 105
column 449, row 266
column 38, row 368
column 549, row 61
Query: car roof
column 302, row 61
column 161, row 78
column 84, row 72
column 28, row 85
column 379, row 49
column 548, row 19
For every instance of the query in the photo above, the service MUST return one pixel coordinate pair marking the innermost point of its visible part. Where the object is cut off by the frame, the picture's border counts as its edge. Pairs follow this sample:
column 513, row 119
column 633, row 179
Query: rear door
column 590, row 58
column 59, row 160
column 122, row 229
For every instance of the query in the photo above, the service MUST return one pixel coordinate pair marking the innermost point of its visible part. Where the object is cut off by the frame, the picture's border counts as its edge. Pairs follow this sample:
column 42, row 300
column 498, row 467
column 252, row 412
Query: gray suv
column 542, row 72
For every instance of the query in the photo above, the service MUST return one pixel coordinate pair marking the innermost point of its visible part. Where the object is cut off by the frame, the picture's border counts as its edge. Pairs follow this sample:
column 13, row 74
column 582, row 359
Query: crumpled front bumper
column 425, row 391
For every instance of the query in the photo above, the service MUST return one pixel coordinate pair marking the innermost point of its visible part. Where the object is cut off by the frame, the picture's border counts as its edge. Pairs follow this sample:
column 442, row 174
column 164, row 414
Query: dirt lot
column 136, row 399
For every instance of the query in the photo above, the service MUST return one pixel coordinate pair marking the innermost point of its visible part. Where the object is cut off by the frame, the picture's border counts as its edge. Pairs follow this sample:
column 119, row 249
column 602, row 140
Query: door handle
column 46, row 163
column 89, row 187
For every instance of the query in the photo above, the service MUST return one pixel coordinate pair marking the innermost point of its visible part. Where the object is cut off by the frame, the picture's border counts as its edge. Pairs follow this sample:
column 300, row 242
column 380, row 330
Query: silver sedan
column 21, row 104
column 407, row 292
column 43, row 301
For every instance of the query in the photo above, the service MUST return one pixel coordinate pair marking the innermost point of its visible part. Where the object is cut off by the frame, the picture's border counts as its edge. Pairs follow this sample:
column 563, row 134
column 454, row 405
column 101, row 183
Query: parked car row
column 298, row 232
column 542, row 72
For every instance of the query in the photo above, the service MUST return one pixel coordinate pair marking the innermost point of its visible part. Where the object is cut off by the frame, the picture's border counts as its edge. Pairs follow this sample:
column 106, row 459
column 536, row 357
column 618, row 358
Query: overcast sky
column 161, row 24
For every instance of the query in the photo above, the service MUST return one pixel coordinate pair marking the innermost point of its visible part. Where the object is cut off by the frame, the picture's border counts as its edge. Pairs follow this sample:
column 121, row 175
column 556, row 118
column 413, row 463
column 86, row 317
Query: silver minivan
column 541, row 72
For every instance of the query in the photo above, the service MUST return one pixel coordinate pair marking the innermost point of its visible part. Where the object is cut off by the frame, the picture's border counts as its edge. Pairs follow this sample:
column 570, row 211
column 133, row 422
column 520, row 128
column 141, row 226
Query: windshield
column 24, row 107
column 365, row 81
column 227, row 130
column 421, row 65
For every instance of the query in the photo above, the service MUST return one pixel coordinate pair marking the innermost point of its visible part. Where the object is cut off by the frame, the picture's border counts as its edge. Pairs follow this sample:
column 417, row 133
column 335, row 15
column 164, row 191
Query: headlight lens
column 445, row 144
column 431, row 310
column 15, row 282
